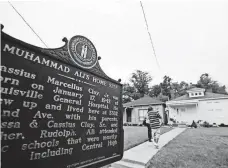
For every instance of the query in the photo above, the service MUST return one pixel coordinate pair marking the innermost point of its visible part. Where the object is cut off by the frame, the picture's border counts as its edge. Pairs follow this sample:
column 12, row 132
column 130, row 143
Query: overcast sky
column 190, row 37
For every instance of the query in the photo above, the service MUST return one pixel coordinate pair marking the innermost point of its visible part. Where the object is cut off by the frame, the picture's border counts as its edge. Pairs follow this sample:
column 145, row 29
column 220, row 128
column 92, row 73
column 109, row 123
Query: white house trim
column 212, row 108
column 132, row 106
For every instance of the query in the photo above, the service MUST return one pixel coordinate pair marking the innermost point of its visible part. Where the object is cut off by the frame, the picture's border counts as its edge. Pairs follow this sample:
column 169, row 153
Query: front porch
column 183, row 111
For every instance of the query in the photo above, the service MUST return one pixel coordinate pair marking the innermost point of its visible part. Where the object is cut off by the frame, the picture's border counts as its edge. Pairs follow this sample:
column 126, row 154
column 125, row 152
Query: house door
column 128, row 114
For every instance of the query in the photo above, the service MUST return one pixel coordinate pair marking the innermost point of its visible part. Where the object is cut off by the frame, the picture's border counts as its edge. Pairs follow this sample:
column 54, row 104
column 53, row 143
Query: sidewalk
column 139, row 156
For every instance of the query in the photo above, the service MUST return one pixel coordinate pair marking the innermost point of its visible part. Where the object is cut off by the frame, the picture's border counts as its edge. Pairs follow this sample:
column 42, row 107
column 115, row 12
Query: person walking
column 155, row 124
column 146, row 123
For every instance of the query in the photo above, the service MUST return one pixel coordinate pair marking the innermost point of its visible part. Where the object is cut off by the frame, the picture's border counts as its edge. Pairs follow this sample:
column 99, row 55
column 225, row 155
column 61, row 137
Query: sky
column 190, row 37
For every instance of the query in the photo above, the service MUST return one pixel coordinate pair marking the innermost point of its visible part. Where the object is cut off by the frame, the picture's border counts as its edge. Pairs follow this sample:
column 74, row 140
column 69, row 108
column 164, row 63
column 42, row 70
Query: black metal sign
column 54, row 113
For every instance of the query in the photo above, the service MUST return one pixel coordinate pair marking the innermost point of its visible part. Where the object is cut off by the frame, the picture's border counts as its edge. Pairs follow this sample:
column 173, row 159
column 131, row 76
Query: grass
column 195, row 148
column 135, row 135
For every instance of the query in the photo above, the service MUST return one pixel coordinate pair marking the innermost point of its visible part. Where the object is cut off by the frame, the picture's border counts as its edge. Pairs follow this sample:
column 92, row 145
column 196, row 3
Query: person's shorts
column 156, row 131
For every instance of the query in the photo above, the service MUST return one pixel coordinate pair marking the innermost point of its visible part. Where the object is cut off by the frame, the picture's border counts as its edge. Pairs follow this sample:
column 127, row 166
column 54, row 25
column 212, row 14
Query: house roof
column 196, row 90
column 208, row 95
column 146, row 100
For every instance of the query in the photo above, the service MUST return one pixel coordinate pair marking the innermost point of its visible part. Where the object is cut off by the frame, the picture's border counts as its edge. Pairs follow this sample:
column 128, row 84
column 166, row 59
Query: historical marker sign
column 55, row 114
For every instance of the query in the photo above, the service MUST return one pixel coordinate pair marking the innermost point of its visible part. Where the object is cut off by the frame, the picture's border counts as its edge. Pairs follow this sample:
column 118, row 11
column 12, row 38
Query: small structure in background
column 199, row 104
column 135, row 111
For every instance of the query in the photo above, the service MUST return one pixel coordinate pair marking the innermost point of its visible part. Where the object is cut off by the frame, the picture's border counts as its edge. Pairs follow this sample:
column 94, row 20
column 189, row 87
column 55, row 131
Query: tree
column 163, row 98
column 129, row 93
column 207, row 83
column 138, row 86
column 169, row 89
column 140, row 81
column 179, row 89
column 175, row 88
column 184, row 85
column 166, row 86
column 155, row 91
column 218, row 89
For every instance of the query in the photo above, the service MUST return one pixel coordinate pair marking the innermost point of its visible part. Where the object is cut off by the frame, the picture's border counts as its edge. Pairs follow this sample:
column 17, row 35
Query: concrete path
column 140, row 156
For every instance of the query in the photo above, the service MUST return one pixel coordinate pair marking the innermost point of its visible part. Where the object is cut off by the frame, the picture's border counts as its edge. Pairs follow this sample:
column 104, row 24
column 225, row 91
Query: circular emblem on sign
column 82, row 52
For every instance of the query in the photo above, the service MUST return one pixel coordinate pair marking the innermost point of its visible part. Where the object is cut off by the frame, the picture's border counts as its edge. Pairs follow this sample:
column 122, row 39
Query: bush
column 223, row 125
column 194, row 124
column 171, row 119
column 206, row 124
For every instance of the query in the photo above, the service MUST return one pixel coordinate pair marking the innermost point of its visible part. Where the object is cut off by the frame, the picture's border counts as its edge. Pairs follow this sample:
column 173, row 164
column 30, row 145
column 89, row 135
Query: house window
column 196, row 94
column 200, row 93
column 142, row 114
column 192, row 94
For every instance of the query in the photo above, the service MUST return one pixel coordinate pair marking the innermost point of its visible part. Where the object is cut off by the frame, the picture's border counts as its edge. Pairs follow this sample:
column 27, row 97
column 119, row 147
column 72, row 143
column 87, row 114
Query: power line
column 27, row 23
column 149, row 35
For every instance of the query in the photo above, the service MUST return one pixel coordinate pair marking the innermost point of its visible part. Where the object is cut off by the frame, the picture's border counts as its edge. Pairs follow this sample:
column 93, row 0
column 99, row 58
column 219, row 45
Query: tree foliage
column 209, row 84
column 205, row 81
column 129, row 93
column 166, row 86
column 140, row 81
column 179, row 89
column 168, row 89
column 138, row 86
column 155, row 91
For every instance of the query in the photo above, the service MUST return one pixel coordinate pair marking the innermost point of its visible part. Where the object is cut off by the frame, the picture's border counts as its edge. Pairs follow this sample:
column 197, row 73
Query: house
column 198, row 104
column 135, row 111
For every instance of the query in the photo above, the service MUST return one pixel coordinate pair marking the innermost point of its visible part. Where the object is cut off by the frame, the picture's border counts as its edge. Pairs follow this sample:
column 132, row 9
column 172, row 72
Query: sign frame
column 62, row 55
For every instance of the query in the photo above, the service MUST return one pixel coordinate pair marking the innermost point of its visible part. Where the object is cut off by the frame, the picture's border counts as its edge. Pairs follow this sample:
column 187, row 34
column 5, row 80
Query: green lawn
column 135, row 135
column 195, row 148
